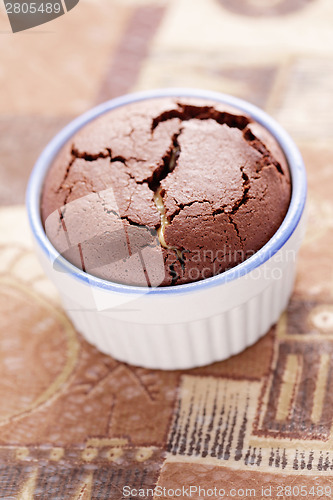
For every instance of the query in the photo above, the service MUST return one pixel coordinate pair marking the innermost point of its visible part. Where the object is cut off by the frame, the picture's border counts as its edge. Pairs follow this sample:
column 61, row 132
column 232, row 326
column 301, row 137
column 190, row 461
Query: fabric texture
column 76, row 424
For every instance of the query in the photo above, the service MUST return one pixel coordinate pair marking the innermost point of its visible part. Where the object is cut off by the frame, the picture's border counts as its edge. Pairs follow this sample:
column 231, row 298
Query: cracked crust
column 223, row 181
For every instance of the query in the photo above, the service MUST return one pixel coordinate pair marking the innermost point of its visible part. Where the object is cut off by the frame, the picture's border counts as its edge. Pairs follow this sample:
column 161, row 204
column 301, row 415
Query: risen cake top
column 165, row 192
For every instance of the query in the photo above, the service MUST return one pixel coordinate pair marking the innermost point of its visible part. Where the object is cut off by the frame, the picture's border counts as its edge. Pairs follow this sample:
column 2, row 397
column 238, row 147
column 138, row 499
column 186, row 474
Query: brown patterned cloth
column 76, row 424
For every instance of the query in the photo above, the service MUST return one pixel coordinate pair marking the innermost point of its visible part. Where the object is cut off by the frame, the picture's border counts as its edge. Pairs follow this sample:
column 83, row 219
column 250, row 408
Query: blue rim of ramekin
column 289, row 224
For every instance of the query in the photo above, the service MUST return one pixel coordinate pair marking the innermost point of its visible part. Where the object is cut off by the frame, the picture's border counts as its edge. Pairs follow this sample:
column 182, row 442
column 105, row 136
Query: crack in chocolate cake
column 196, row 181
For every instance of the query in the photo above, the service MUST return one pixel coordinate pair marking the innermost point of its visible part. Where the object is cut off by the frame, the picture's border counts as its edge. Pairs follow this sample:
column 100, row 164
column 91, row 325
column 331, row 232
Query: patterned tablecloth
column 76, row 424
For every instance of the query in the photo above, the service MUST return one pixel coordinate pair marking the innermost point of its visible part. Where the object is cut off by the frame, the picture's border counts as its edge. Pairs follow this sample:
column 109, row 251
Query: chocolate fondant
column 197, row 185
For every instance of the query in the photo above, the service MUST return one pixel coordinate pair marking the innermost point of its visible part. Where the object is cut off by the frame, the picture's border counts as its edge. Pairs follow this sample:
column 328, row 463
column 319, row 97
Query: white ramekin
column 186, row 325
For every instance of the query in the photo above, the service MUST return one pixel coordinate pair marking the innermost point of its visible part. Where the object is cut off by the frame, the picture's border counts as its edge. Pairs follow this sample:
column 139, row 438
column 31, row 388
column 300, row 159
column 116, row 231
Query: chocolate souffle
column 196, row 184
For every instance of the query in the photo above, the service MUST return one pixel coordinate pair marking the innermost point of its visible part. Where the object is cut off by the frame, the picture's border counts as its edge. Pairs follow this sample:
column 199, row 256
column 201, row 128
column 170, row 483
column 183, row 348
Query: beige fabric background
column 75, row 424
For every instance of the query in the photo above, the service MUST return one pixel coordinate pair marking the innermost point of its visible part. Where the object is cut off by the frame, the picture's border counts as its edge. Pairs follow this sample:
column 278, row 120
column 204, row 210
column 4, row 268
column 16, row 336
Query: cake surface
column 165, row 192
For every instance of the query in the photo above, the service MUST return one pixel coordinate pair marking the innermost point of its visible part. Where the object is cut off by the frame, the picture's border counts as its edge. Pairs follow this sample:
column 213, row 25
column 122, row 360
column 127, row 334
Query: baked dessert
column 165, row 191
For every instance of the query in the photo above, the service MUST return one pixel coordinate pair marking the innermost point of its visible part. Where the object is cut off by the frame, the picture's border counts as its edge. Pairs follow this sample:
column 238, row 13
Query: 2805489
column 33, row 8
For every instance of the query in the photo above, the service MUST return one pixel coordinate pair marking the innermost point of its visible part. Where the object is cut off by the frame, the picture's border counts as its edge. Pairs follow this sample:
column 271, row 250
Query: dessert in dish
column 197, row 184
